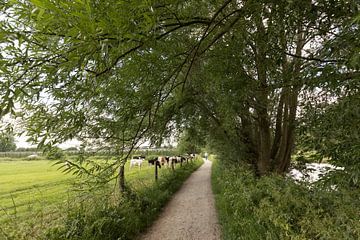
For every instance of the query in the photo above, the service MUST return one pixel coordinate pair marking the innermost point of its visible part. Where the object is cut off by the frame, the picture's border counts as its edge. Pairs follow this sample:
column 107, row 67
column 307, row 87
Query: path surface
column 190, row 214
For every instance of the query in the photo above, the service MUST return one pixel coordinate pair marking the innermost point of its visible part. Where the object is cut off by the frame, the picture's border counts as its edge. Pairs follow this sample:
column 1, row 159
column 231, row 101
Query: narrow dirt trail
column 190, row 214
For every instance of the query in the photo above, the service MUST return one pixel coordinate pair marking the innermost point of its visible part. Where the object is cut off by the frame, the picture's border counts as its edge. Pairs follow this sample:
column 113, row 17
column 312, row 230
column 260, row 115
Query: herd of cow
column 165, row 161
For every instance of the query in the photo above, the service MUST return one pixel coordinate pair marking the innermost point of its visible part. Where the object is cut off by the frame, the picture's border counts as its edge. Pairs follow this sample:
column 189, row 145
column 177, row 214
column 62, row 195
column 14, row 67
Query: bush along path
column 191, row 212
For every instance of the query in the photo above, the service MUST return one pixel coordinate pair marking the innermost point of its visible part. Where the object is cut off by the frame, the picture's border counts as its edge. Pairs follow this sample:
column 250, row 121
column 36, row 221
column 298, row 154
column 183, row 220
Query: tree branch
column 314, row 59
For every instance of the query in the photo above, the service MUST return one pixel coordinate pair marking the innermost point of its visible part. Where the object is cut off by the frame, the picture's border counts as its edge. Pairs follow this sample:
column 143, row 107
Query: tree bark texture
column 122, row 178
column 283, row 145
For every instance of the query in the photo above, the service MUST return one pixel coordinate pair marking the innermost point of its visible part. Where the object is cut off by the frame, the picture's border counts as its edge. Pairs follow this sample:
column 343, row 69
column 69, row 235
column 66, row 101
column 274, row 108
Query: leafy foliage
column 191, row 141
column 276, row 208
column 334, row 133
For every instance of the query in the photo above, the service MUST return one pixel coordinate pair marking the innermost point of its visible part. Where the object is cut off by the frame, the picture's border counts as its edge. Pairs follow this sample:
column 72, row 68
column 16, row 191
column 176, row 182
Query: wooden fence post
column 156, row 170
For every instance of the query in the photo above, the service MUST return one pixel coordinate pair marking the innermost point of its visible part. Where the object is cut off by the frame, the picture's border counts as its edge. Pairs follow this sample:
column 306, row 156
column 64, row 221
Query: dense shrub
column 275, row 207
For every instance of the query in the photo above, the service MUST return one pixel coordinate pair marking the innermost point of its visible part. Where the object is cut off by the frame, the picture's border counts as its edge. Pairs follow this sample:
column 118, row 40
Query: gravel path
column 191, row 214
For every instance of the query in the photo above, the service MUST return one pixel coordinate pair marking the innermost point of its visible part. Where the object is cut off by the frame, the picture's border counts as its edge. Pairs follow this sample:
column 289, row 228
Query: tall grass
column 274, row 207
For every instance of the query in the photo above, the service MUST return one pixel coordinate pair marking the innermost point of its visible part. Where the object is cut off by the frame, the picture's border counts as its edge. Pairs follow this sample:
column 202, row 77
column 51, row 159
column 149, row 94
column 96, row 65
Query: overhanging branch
column 315, row 59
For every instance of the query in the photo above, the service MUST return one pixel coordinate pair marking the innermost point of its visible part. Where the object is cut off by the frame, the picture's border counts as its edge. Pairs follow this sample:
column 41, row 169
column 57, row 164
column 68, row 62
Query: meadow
column 35, row 194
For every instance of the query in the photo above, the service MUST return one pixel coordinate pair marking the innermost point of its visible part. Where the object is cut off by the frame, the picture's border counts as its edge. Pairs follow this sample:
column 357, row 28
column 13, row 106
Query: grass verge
column 274, row 207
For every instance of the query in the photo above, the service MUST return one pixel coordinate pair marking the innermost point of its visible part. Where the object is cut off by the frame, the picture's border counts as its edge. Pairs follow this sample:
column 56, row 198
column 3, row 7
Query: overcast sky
column 21, row 143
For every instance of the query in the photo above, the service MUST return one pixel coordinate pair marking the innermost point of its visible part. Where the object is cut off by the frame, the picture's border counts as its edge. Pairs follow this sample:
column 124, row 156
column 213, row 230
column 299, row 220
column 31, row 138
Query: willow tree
column 100, row 71
column 118, row 72
column 249, row 68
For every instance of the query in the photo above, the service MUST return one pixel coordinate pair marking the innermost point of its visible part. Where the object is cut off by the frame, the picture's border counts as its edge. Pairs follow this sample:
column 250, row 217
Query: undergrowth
column 275, row 207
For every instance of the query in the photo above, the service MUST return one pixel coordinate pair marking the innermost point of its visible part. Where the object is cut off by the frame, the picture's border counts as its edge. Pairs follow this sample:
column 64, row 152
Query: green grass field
column 29, row 188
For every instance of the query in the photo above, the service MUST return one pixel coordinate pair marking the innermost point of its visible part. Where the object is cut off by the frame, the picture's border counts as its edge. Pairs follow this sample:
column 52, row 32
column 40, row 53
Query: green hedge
column 275, row 207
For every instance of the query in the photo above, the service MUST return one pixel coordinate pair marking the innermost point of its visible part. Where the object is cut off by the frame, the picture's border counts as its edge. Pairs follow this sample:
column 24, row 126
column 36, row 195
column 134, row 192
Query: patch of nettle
column 275, row 207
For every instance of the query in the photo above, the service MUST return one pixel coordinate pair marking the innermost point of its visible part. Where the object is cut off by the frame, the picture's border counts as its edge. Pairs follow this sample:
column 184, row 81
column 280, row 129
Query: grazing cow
column 179, row 159
column 136, row 160
column 152, row 161
column 172, row 160
column 163, row 160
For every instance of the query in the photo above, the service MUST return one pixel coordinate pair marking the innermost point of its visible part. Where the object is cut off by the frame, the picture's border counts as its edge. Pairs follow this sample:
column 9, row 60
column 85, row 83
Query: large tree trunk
column 290, row 95
column 285, row 163
column 263, row 122
column 122, row 178
column 262, row 105
column 264, row 149
column 247, row 135
column 278, row 126
column 283, row 146
column 286, row 143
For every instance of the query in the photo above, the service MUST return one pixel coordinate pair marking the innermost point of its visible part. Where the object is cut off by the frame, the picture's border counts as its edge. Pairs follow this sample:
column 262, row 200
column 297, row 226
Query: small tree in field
column 54, row 153
column 7, row 142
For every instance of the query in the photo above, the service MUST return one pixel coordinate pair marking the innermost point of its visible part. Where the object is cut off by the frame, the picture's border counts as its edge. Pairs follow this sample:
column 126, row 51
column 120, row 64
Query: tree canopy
column 118, row 72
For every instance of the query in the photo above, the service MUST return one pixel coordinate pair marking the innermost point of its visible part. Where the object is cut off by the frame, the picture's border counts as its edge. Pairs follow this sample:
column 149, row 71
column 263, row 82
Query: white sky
column 21, row 143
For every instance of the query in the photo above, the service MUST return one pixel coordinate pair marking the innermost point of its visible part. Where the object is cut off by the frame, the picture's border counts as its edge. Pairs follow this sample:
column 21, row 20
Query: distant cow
column 180, row 159
column 163, row 160
column 136, row 160
column 152, row 161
